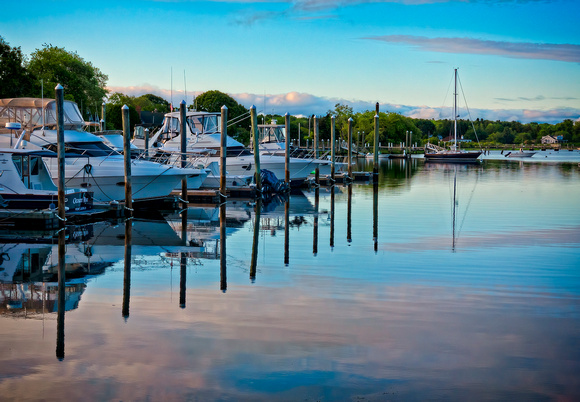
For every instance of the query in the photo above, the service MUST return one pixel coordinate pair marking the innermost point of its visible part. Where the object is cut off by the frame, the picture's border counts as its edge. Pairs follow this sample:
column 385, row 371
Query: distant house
column 451, row 139
column 549, row 139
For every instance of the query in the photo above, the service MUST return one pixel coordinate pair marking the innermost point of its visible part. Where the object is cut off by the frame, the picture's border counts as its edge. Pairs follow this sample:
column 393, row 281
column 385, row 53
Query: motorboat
column 96, row 167
column 203, row 146
column 26, row 183
column 520, row 154
column 272, row 141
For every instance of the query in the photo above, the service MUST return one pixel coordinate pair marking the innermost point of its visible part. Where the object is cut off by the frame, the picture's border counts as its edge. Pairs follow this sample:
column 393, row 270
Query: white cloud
column 521, row 50
column 299, row 103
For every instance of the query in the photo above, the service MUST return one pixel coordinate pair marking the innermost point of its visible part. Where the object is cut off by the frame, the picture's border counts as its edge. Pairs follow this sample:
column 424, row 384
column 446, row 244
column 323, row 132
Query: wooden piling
column 254, row 119
column 376, row 150
column 127, row 152
column 60, row 152
column 350, row 120
column 103, row 119
column 146, row 148
column 223, row 152
column 315, row 143
column 287, row 149
column 333, row 146
column 183, row 148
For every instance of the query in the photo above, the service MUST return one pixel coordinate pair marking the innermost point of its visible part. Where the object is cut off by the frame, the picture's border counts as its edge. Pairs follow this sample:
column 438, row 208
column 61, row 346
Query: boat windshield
column 93, row 149
column 207, row 124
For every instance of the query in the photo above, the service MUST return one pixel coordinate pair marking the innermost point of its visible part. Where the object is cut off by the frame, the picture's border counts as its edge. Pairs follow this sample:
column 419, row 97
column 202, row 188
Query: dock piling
column 255, row 138
column 127, row 154
column 333, row 146
column 223, row 152
column 183, row 150
column 349, row 159
column 287, row 149
column 60, row 152
column 376, row 153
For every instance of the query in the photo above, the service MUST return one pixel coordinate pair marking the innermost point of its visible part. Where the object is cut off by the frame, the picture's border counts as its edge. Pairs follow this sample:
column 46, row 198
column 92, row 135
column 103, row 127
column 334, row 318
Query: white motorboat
column 97, row 167
column 203, row 145
column 26, row 183
column 272, row 141
column 520, row 154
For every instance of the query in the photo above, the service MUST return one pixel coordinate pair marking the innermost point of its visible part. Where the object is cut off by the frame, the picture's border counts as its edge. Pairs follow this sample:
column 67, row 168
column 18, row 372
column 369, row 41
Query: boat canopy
column 36, row 112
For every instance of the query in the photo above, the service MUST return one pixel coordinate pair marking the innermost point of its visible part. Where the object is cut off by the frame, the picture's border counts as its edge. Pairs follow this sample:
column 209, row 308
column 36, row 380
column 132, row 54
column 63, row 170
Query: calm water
column 468, row 290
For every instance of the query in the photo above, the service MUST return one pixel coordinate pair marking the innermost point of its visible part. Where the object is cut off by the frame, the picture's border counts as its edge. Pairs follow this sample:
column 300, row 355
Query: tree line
column 37, row 75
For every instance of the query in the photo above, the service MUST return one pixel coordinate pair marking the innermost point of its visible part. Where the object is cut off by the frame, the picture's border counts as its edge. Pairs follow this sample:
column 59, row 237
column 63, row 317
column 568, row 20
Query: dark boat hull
column 459, row 157
column 77, row 201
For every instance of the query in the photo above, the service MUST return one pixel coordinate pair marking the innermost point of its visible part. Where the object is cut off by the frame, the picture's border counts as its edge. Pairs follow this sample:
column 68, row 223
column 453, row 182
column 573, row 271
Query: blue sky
column 517, row 59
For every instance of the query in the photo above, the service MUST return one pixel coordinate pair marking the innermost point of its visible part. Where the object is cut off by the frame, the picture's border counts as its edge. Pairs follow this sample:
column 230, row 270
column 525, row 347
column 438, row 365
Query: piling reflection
column 332, row 191
column 61, row 296
column 287, row 232
column 127, row 268
column 315, row 225
column 254, row 261
column 183, row 260
column 375, row 214
column 223, row 268
column 349, row 215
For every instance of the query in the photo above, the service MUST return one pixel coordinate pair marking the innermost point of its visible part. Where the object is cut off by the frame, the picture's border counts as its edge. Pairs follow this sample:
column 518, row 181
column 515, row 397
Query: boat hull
column 74, row 201
column 451, row 157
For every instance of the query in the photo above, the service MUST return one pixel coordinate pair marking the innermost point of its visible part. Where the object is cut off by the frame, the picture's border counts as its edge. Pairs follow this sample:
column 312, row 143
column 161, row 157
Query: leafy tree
column 342, row 113
column 15, row 80
column 115, row 116
column 82, row 82
column 212, row 101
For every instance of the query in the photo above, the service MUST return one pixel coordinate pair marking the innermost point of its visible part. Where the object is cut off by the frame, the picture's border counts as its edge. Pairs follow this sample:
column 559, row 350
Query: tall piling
column 183, row 148
column 315, row 143
column 255, row 139
column 376, row 153
column 333, row 146
column 103, row 117
column 287, row 149
column 223, row 152
column 146, row 148
column 127, row 155
column 349, row 159
column 60, row 152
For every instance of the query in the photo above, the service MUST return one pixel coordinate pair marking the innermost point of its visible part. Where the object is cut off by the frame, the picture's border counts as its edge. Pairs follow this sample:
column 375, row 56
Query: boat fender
column 88, row 168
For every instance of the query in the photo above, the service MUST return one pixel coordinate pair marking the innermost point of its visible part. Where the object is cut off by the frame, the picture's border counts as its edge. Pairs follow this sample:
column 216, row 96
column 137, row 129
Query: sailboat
column 439, row 154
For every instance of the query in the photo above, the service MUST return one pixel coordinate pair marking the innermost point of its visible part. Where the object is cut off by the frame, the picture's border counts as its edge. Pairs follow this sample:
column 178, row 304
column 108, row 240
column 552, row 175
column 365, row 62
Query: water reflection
column 61, row 296
column 315, row 225
column 254, row 261
column 337, row 325
column 127, row 268
column 223, row 254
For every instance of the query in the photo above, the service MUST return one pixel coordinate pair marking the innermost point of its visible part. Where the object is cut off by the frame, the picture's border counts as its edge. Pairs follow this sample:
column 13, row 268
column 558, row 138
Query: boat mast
column 455, row 114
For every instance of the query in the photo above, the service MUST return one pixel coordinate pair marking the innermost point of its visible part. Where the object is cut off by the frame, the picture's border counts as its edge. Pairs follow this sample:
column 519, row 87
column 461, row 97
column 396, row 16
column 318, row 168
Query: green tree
column 83, row 83
column 342, row 113
column 212, row 101
column 15, row 80
column 115, row 116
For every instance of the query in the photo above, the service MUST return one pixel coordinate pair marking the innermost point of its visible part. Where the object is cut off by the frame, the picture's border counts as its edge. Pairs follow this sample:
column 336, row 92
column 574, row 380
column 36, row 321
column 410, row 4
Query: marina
column 387, row 291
